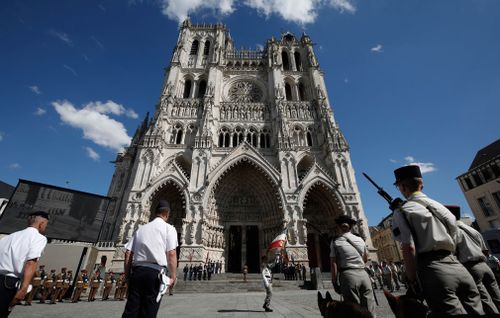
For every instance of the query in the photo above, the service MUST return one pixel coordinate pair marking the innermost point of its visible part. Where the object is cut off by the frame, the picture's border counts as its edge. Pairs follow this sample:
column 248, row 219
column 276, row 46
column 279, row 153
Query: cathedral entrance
column 247, row 206
column 320, row 211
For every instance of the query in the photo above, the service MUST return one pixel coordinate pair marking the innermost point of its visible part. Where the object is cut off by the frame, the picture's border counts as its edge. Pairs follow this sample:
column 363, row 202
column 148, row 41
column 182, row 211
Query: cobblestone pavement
column 295, row 303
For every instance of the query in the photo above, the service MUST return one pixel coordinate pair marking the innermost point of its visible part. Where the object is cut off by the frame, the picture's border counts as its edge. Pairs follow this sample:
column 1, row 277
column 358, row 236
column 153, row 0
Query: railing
column 244, row 55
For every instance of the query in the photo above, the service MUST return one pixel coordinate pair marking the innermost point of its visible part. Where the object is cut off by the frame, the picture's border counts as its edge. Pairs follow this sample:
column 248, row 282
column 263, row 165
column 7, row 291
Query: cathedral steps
column 233, row 282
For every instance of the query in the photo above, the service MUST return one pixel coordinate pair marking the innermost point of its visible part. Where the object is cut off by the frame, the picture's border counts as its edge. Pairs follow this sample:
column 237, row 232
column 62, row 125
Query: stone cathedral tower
column 243, row 143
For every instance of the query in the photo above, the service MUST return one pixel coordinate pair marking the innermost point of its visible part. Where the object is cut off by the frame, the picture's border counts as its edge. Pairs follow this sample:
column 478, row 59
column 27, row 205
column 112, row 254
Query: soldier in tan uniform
column 95, row 282
column 78, row 287
column 427, row 232
column 48, row 285
column 36, row 283
column 471, row 252
column 67, row 279
column 348, row 255
column 120, row 287
column 108, row 285
column 58, row 286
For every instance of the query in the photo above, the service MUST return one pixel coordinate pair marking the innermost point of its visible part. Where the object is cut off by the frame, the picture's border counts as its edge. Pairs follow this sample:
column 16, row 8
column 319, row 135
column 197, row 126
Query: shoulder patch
column 396, row 231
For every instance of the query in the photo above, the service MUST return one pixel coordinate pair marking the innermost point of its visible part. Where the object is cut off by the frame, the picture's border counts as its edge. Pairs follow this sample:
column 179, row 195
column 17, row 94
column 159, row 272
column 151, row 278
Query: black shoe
column 267, row 309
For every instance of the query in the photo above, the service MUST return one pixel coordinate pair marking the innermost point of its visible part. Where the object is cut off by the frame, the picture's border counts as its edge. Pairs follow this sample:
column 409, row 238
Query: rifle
column 393, row 203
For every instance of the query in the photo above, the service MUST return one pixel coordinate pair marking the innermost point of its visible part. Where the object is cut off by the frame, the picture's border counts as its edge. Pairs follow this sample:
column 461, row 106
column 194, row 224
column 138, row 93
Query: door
column 234, row 250
column 252, row 242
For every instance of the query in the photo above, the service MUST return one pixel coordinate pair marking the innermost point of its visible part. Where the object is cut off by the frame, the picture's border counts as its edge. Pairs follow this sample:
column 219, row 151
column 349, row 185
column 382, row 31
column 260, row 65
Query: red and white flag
column 279, row 241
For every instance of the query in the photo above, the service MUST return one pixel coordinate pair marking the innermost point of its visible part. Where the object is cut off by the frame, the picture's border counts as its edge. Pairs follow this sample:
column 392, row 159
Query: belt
column 151, row 265
column 343, row 269
column 433, row 255
column 472, row 263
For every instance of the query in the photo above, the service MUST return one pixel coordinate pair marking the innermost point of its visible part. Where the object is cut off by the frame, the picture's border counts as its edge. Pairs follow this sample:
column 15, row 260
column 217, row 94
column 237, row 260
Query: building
column 388, row 249
column 243, row 144
column 6, row 191
column 481, row 186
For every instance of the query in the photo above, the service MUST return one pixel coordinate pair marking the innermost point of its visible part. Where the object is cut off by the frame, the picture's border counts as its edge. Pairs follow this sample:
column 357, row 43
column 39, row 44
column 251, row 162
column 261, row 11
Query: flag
column 279, row 241
column 206, row 259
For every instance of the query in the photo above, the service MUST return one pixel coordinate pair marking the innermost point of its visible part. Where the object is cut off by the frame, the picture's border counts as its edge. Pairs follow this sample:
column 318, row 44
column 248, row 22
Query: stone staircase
column 233, row 283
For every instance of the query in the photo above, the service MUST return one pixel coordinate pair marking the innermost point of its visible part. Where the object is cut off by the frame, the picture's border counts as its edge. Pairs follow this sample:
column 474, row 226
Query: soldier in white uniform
column 148, row 253
column 267, row 280
column 427, row 232
column 471, row 252
column 19, row 253
column 348, row 255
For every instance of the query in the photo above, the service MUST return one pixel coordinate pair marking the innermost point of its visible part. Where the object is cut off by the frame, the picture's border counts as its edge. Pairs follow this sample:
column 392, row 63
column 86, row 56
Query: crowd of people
column 202, row 271
column 388, row 275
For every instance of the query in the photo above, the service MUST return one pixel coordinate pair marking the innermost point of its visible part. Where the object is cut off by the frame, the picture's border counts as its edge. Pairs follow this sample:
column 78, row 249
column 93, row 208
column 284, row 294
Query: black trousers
column 144, row 286
column 8, row 290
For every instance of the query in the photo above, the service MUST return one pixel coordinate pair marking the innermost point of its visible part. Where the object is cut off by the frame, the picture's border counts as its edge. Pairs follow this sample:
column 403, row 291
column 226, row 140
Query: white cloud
column 100, row 6
column 346, row 80
column 425, row 167
column 35, row 89
column 61, row 36
column 180, row 9
column 97, row 42
column 2, row 134
column 377, row 49
column 96, row 125
column 393, row 160
column 70, row 69
column 260, row 47
column 40, row 111
column 14, row 166
column 111, row 107
column 299, row 11
column 92, row 154
column 343, row 5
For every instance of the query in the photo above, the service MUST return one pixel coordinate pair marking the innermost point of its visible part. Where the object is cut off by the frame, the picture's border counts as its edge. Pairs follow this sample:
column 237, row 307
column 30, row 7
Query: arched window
column 284, row 59
column 265, row 139
column 298, row 63
column 187, row 89
column 206, row 48
column 237, row 136
column 298, row 136
column 194, row 47
column 309, row 139
column 252, row 137
column 202, row 87
column 224, row 137
column 288, row 91
column 190, row 135
column 302, row 92
column 177, row 134
column 304, row 165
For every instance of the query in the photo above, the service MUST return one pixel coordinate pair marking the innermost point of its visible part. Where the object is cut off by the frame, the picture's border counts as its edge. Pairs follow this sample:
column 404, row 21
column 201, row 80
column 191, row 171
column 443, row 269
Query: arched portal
column 320, row 211
column 247, row 205
column 171, row 192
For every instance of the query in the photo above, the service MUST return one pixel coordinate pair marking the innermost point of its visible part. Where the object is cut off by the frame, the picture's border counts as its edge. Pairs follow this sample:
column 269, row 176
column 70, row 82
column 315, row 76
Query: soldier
column 427, row 232
column 267, row 279
column 66, row 284
column 120, row 286
column 48, row 285
column 191, row 272
column 470, row 252
column 58, row 286
column 78, row 287
column 348, row 255
column 395, row 274
column 108, row 285
column 200, row 271
column 36, row 282
column 186, row 271
column 95, row 282
column 387, row 275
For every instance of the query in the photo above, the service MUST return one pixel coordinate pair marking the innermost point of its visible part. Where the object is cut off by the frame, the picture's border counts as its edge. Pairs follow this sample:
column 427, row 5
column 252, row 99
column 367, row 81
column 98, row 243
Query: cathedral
column 243, row 143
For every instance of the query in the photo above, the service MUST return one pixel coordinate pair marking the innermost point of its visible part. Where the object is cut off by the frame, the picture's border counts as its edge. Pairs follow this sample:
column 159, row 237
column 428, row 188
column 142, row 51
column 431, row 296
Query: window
column 485, row 206
column 469, row 183
column 496, row 169
column 237, row 136
column 496, row 196
column 302, row 93
column 477, row 179
column 202, row 88
column 284, row 59
column 309, row 139
column 288, row 92
column 194, row 47
column 487, row 174
column 177, row 134
column 224, row 138
column 298, row 64
column 187, row 89
column 206, row 48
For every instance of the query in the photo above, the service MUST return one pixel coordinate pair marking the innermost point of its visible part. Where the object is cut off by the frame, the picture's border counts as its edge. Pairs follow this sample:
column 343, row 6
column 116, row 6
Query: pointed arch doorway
column 247, row 205
column 320, row 210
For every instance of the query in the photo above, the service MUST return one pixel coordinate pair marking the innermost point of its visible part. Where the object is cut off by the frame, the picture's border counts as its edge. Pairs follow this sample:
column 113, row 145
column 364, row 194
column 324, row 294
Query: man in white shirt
column 148, row 253
column 19, row 253
column 267, row 280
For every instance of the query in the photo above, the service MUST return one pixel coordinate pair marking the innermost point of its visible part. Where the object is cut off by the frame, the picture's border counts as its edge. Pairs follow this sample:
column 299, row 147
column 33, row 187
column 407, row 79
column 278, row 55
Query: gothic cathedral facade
column 243, row 143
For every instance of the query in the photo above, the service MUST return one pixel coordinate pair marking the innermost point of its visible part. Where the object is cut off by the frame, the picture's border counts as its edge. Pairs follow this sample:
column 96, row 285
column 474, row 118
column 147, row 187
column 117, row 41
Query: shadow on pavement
column 238, row 310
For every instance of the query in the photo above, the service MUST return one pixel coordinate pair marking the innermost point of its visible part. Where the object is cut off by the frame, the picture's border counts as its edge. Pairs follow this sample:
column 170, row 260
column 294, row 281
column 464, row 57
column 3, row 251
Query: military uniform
column 58, row 287
column 36, row 283
column 267, row 280
column 108, row 285
column 348, row 252
column 78, row 288
column 470, row 247
column 67, row 279
column 95, row 282
column 447, row 286
column 48, row 285
column 120, row 287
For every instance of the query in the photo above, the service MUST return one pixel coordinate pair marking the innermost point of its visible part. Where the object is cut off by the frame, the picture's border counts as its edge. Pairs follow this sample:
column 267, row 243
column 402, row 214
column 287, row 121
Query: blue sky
column 409, row 81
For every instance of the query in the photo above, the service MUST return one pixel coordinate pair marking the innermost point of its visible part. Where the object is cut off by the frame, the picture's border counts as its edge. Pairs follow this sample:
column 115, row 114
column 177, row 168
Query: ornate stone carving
column 245, row 92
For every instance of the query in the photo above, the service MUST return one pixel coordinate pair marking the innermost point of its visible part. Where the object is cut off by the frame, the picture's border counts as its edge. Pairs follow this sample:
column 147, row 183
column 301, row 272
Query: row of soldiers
column 199, row 272
column 54, row 287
